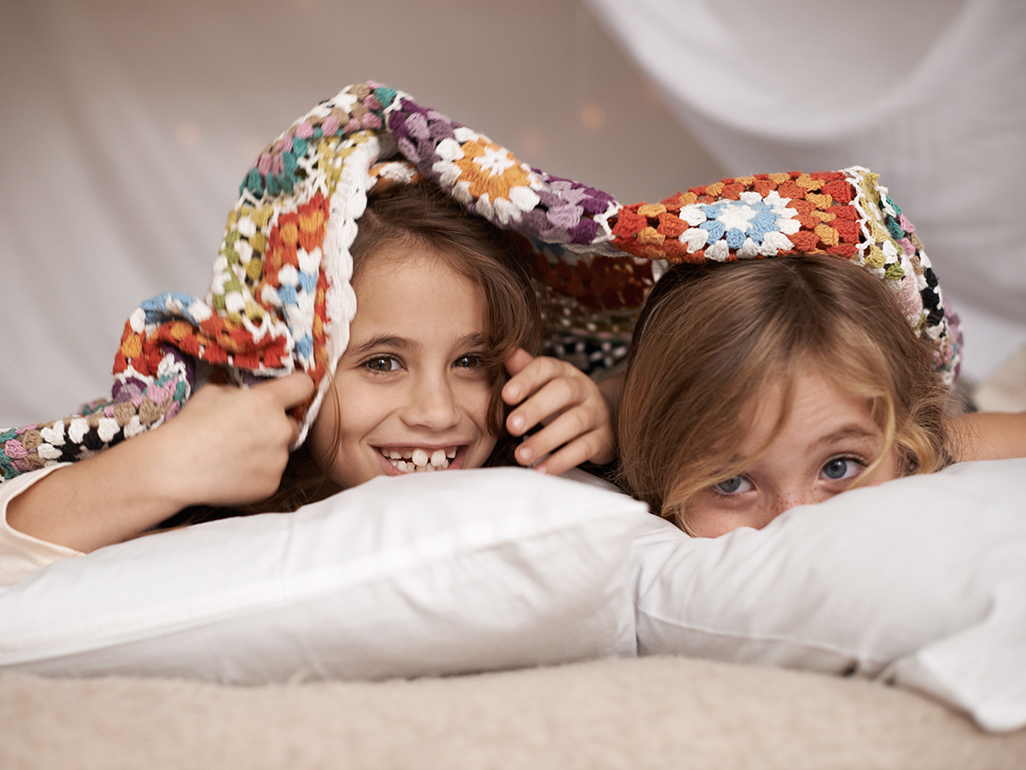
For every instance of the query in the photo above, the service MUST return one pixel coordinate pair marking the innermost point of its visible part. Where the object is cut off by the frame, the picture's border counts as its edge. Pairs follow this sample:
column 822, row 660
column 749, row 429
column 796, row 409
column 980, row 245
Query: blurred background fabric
column 125, row 129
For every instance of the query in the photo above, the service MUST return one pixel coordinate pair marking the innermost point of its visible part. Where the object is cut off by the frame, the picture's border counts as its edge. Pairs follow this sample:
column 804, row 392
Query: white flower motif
column 695, row 238
column 718, row 251
column 269, row 296
column 461, row 192
column 693, row 215
column 449, row 149
column 524, row 198
column 138, row 320
column 244, row 250
column 309, row 262
column 464, row 135
column 484, row 207
column 735, row 216
column 749, row 249
column 495, row 160
column 448, row 173
column 200, row 311
column 288, row 276
column 773, row 243
column 788, row 226
column 246, row 227
column 234, row 302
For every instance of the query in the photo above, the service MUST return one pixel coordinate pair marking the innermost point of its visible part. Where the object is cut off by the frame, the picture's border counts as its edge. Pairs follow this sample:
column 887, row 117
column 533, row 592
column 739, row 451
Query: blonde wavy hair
column 713, row 338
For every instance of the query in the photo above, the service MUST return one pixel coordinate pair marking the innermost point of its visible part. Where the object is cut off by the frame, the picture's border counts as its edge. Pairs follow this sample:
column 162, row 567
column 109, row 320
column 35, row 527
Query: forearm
column 987, row 436
column 99, row 501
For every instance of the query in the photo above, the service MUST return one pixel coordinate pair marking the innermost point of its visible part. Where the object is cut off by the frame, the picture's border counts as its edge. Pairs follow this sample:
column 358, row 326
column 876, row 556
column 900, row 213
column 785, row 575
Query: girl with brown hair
column 445, row 314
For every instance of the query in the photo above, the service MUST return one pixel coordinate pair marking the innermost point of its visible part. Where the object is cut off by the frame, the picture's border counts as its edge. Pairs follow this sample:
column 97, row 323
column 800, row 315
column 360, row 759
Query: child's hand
column 229, row 446
column 226, row 447
column 577, row 418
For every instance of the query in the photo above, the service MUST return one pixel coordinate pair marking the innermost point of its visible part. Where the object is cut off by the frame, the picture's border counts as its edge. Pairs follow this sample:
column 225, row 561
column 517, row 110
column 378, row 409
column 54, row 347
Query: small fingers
column 555, row 397
column 533, row 376
column 581, row 450
column 573, row 435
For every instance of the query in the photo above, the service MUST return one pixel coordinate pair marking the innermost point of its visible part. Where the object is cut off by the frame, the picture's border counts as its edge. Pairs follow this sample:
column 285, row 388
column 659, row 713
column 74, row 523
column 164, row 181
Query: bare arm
column 987, row 436
column 226, row 447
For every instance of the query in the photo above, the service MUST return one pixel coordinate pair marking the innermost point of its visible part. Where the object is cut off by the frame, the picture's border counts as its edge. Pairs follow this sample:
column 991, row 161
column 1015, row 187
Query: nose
column 785, row 500
column 432, row 404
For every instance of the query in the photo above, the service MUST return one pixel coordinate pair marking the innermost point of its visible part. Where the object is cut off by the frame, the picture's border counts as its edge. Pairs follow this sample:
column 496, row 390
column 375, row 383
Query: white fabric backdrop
column 929, row 93
column 125, row 129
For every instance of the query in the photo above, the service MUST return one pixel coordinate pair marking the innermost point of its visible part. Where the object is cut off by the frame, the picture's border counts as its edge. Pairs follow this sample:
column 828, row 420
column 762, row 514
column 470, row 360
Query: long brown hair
column 713, row 337
column 421, row 215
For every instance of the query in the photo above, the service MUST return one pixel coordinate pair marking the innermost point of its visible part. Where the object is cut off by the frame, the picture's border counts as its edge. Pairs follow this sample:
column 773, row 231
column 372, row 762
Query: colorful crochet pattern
column 281, row 298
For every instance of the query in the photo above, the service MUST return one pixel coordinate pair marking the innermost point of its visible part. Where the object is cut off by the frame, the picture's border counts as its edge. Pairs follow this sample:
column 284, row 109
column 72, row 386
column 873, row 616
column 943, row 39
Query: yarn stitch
column 281, row 298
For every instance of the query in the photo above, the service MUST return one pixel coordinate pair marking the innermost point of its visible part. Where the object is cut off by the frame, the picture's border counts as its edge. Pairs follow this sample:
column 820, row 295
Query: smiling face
column 827, row 441
column 411, row 393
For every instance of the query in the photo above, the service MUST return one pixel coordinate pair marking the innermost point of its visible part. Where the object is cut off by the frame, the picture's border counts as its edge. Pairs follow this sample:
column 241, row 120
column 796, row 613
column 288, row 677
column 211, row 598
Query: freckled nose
column 786, row 502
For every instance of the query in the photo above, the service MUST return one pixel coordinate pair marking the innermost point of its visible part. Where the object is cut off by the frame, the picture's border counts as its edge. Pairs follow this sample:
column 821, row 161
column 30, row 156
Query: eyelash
column 367, row 364
column 854, row 459
column 475, row 361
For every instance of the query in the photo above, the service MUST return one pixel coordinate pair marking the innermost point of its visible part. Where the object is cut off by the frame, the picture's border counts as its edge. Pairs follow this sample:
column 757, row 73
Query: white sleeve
column 21, row 554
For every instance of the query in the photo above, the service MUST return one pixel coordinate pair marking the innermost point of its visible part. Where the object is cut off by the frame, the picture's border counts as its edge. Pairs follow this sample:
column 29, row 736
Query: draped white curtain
column 931, row 94
column 125, row 129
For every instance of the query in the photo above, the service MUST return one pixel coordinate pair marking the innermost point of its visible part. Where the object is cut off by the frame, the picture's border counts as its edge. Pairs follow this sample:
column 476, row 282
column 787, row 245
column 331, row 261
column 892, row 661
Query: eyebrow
column 402, row 343
column 843, row 433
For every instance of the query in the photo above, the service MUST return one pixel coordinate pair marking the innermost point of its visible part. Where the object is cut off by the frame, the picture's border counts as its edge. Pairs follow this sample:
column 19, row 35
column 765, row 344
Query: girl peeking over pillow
column 758, row 385
column 445, row 314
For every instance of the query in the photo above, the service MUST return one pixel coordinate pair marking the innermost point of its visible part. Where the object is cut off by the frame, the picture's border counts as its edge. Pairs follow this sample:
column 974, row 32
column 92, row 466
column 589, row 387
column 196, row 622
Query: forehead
column 820, row 407
column 401, row 285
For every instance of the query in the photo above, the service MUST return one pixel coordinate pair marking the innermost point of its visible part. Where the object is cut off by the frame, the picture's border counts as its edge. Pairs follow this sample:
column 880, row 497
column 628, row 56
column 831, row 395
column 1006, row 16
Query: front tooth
column 438, row 457
column 393, row 455
column 451, row 454
column 420, row 457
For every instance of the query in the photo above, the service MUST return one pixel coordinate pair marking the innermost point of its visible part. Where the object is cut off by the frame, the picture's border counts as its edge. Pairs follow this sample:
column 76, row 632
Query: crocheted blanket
column 281, row 299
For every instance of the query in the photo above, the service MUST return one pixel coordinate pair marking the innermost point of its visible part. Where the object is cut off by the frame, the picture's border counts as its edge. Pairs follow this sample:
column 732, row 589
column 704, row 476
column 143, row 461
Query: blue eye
column 382, row 364
column 734, row 486
column 840, row 468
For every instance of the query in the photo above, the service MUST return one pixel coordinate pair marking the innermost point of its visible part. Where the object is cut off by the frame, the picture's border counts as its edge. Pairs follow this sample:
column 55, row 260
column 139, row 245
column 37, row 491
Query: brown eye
column 469, row 361
column 382, row 364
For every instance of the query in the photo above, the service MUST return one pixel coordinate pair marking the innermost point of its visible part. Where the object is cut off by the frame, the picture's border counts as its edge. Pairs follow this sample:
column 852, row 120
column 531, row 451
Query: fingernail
column 524, row 453
column 540, row 469
column 516, row 422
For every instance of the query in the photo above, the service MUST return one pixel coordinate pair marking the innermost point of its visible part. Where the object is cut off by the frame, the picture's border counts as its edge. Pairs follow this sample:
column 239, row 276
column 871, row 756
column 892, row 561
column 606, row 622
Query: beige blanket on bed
column 635, row 713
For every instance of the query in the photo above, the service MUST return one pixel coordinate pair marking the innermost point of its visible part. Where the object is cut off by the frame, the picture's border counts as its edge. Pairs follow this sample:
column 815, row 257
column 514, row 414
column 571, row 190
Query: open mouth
column 418, row 459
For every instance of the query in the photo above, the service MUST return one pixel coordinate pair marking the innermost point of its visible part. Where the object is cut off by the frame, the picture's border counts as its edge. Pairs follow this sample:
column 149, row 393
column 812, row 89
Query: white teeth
column 418, row 460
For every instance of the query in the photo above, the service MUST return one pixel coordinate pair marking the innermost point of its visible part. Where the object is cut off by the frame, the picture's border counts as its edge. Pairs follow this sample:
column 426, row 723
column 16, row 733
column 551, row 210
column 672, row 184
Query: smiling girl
column 444, row 312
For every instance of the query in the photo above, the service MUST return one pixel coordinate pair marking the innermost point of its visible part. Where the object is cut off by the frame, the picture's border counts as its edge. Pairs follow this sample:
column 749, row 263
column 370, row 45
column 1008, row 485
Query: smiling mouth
column 418, row 460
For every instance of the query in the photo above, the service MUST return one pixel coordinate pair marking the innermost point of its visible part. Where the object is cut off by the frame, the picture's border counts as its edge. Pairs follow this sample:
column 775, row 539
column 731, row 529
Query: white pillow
column 920, row 581
column 428, row 574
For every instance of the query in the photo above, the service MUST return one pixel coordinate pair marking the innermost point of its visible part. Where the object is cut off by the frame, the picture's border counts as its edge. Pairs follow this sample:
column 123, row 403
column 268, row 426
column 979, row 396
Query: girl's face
column 411, row 394
column 827, row 441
